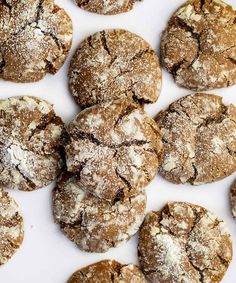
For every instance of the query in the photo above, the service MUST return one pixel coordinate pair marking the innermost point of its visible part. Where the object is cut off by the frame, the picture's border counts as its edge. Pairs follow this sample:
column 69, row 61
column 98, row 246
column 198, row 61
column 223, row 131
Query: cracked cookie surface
column 111, row 64
column 199, row 137
column 31, row 136
column 184, row 243
column 233, row 199
column 108, row 271
column 11, row 227
column 94, row 224
column 107, row 7
column 114, row 149
column 35, row 38
column 198, row 46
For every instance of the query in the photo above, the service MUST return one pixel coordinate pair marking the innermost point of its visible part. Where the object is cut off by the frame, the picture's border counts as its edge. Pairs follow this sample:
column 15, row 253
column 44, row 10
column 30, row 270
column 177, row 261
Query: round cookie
column 110, row 7
column 184, row 243
column 108, row 271
column 199, row 136
column 31, row 136
column 94, row 224
column 35, row 38
column 198, row 46
column 233, row 199
column 114, row 149
column 11, row 227
column 111, row 64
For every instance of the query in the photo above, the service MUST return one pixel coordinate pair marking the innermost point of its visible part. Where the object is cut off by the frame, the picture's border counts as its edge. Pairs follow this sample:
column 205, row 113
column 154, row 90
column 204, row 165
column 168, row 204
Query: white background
column 46, row 255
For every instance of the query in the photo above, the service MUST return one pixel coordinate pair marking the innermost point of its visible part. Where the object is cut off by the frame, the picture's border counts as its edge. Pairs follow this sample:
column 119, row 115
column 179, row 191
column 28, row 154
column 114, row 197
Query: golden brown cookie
column 111, row 64
column 233, row 199
column 199, row 136
column 95, row 225
column 108, row 271
column 114, row 149
column 11, row 227
column 184, row 243
column 31, row 135
column 35, row 38
column 198, row 46
column 107, row 7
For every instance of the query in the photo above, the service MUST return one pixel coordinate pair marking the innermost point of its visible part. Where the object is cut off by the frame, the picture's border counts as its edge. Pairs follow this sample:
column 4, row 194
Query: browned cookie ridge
column 198, row 46
column 184, row 243
column 233, row 199
column 35, row 38
column 107, row 7
column 199, row 137
column 114, row 149
column 95, row 225
column 108, row 271
column 111, row 64
column 11, row 227
column 31, row 135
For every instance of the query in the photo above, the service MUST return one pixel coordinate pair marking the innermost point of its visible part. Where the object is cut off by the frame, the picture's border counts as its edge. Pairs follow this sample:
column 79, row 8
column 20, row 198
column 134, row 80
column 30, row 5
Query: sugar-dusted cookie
column 184, row 243
column 111, row 64
column 233, row 199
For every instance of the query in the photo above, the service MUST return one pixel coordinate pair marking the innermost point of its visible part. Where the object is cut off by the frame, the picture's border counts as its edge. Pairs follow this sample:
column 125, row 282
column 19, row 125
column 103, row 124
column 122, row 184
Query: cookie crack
column 124, row 180
column 104, row 42
column 29, row 182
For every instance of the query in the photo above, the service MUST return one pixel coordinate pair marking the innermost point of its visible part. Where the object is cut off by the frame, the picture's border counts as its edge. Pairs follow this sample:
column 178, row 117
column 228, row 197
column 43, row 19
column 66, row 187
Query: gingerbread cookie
column 114, row 149
column 111, row 64
column 108, row 271
column 184, row 243
column 199, row 136
column 107, row 7
column 11, row 227
column 35, row 38
column 31, row 135
column 233, row 199
column 198, row 46
column 95, row 225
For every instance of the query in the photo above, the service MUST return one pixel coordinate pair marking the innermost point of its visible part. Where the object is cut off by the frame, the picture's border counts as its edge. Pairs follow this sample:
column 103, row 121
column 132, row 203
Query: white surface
column 46, row 254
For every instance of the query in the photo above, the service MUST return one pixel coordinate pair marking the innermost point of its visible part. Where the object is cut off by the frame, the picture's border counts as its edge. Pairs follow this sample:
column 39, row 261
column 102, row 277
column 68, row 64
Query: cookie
column 112, row 64
column 110, row 7
column 233, row 199
column 108, row 271
column 199, row 136
column 198, row 45
column 11, row 227
column 31, row 135
column 114, row 149
column 95, row 225
column 184, row 243
column 35, row 38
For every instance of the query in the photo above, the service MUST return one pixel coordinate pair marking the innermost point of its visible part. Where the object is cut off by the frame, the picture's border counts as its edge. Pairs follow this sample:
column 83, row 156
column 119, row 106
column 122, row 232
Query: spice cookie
column 108, row 271
column 107, row 7
column 35, row 38
column 199, row 136
column 11, row 227
column 114, row 149
column 31, row 135
column 111, row 64
column 184, row 243
column 233, row 199
column 198, row 46
column 95, row 225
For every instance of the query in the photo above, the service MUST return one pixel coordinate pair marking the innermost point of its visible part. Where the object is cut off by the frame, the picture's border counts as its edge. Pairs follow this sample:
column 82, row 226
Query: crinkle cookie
column 111, row 64
column 11, row 227
column 107, row 7
column 95, row 225
column 184, row 243
column 199, row 136
column 108, row 271
column 198, row 46
column 31, row 136
column 114, row 149
column 233, row 199
column 35, row 38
